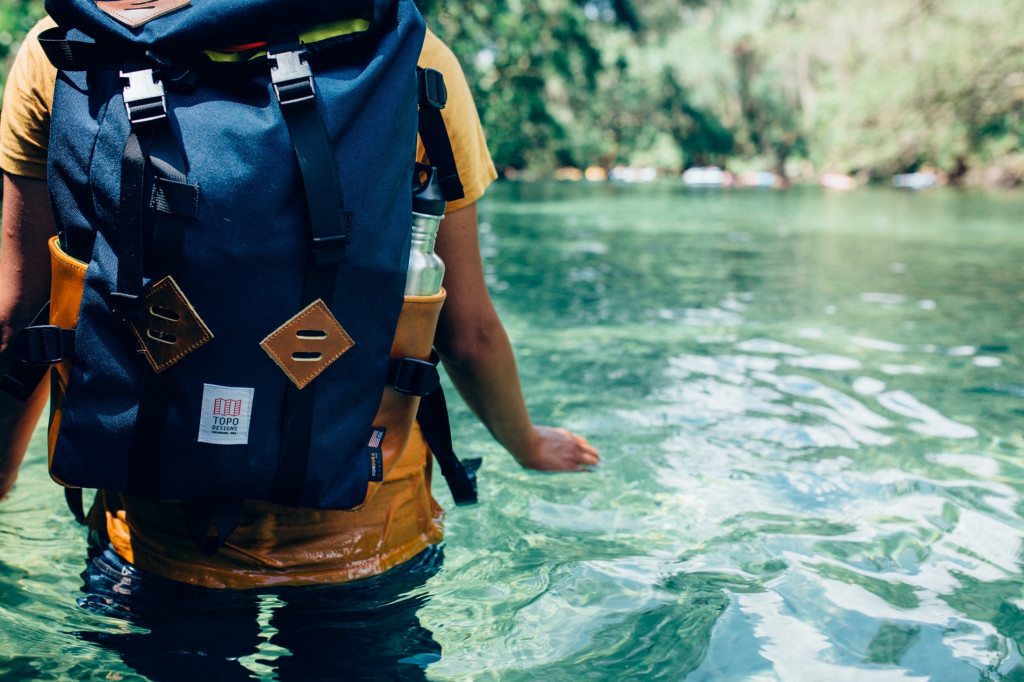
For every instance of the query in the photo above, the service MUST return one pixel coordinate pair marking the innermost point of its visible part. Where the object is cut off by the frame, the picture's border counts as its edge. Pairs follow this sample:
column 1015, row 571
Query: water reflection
column 810, row 414
column 797, row 476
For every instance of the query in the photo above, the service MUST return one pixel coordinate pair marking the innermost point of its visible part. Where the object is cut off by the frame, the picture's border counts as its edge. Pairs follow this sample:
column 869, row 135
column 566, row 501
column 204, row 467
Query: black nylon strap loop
column 175, row 198
column 433, row 419
column 70, row 55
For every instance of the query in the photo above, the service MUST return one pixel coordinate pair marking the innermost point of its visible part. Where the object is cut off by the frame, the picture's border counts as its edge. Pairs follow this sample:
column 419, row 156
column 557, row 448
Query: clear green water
column 810, row 410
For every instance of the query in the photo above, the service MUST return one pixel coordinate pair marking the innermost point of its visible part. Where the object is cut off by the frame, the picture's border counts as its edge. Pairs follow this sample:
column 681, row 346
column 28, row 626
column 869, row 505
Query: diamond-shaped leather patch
column 308, row 343
column 171, row 328
column 135, row 13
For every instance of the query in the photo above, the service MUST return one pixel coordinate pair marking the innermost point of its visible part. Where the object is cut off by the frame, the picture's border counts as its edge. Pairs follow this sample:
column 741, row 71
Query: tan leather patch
column 171, row 329
column 307, row 344
column 135, row 13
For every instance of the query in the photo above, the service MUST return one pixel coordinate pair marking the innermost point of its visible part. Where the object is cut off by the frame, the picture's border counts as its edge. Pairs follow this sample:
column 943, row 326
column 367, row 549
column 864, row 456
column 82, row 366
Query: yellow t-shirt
column 272, row 544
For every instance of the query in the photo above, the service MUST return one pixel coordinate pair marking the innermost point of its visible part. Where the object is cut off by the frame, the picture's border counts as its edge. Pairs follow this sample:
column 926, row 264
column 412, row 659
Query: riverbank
column 1007, row 174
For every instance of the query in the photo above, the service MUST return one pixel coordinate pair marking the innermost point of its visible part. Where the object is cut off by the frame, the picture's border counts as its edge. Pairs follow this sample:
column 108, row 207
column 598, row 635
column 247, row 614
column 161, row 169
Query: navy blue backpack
column 246, row 229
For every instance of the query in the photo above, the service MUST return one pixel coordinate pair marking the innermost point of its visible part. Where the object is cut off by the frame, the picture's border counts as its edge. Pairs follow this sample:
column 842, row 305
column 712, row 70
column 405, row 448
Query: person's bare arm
column 24, row 288
column 478, row 357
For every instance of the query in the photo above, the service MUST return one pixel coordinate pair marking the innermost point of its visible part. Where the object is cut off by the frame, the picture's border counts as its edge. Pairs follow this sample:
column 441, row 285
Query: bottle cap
column 427, row 197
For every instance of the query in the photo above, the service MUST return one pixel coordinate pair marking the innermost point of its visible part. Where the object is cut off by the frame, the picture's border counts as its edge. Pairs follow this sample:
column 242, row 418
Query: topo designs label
column 226, row 414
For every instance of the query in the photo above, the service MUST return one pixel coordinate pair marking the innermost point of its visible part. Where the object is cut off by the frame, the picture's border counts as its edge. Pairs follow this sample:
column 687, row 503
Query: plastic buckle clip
column 42, row 345
column 415, row 377
column 291, row 76
column 144, row 96
column 432, row 89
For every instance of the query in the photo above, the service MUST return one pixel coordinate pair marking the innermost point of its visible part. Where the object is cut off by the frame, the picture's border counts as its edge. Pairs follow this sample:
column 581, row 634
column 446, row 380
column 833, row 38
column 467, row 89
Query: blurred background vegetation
column 798, row 87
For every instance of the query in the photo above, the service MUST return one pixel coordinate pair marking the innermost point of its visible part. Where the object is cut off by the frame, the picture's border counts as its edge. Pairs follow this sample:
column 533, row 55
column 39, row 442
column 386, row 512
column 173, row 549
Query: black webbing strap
column 433, row 96
column 38, row 346
column 296, row 436
column 330, row 232
column 437, row 431
column 147, row 447
column 297, row 413
column 224, row 515
column 174, row 202
column 330, row 222
column 21, row 381
column 73, row 496
column 150, row 143
column 146, row 459
column 131, row 219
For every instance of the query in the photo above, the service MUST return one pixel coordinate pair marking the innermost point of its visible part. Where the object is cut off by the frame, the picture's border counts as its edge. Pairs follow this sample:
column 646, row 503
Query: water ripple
column 927, row 420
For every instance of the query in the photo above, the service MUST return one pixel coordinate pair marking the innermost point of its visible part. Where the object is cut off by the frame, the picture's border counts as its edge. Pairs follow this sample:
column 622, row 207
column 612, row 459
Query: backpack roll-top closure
column 245, row 252
column 183, row 25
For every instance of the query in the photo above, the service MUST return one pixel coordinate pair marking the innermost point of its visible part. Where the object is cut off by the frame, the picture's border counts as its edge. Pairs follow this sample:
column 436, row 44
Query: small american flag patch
column 376, row 453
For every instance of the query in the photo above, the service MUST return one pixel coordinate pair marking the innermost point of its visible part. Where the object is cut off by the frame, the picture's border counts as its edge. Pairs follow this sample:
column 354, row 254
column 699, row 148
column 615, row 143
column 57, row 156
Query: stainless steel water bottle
column 426, row 269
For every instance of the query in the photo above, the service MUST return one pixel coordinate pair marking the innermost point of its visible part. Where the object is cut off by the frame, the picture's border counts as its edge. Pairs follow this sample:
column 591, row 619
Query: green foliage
column 881, row 86
column 878, row 86
column 16, row 18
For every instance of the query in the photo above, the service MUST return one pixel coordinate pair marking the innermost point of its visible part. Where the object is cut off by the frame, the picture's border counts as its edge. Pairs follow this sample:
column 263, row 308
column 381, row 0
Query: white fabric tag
column 226, row 414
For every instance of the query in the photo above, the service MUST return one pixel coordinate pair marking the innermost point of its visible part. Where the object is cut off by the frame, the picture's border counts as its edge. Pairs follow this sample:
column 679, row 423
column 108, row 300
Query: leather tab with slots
column 308, row 343
column 170, row 328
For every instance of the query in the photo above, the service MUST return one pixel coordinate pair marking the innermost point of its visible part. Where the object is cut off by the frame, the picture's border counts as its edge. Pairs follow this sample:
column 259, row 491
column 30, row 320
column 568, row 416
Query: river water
column 809, row 407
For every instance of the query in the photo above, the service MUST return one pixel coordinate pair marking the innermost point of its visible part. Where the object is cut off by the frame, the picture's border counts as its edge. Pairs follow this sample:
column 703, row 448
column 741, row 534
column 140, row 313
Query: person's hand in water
column 555, row 449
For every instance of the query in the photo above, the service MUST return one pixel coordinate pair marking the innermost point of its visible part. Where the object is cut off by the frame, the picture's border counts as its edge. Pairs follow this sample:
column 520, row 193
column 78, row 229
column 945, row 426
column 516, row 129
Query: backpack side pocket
column 67, row 280
column 414, row 338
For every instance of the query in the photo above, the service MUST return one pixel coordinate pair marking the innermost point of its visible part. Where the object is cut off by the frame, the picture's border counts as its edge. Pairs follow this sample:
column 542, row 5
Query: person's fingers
column 585, row 445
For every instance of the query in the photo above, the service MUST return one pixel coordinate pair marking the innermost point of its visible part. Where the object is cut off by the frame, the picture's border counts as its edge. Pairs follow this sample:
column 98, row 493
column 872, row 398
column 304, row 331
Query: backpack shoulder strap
column 433, row 97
